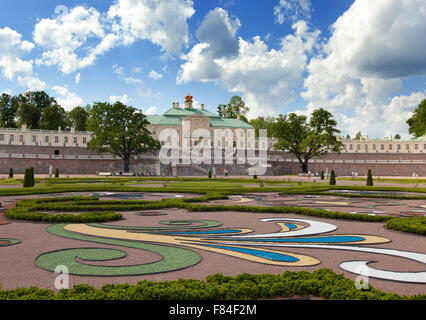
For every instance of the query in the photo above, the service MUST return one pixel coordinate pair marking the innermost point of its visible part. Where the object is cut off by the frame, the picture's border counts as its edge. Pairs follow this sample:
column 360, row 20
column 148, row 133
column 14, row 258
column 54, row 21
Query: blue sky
column 362, row 60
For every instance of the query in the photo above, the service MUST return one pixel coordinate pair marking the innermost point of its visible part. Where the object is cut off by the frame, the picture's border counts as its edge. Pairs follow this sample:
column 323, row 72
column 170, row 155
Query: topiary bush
column 322, row 175
column 32, row 179
column 210, row 174
column 332, row 178
column 57, row 173
column 27, row 179
column 10, row 173
column 369, row 178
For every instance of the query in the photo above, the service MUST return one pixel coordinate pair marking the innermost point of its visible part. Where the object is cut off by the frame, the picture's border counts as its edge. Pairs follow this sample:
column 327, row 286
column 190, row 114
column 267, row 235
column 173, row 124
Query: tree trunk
column 126, row 165
column 305, row 167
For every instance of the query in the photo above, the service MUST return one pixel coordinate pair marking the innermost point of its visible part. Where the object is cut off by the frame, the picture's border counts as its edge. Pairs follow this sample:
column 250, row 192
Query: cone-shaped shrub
column 57, row 173
column 10, row 173
column 369, row 178
column 32, row 177
column 322, row 175
column 255, row 176
column 210, row 174
column 27, row 179
column 332, row 178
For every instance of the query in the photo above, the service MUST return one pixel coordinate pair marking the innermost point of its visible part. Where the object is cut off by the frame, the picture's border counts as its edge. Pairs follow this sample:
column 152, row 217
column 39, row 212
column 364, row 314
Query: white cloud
column 62, row 37
column 68, row 100
column 12, row 48
column 137, row 83
column 164, row 23
column 293, row 10
column 151, row 110
column 123, row 99
column 267, row 78
column 77, row 78
column 155, row 75
column 373, row 45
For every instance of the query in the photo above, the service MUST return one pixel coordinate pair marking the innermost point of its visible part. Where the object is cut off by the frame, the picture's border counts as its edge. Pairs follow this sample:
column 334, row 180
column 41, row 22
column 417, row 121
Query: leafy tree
column 332, row 178
column 348, row 137
column 397, row 136
column 369, row 178
column 304, row 139
column 78, row 117
column 52, row 117
column 236, row 107
column 119, row 130
column 358, row 136
column 263, row 123
column 8, row 108
column 31, row 106
column 417, row 122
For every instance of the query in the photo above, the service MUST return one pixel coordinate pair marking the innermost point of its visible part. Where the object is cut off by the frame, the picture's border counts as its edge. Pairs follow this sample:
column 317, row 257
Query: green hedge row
column 25, row 213
column 416, row 225
column 321, row 283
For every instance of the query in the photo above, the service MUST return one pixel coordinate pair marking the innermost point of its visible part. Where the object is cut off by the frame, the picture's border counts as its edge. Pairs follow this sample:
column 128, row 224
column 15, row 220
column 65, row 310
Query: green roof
column 174, row 117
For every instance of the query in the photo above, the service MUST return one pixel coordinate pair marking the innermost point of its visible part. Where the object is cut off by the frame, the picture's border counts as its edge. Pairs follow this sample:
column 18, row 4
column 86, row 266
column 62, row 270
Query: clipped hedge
column 416, row 225
column 321, row 283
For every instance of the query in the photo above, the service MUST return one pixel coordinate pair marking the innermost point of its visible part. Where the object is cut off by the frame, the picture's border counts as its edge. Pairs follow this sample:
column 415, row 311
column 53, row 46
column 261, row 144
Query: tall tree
column 358, row 136
column 397, row 137
column 31, row 106
column 235, row 108
column 304, row 139
column 8, row 108
column 417, row 122
column 78, row 117
column 53, row 117
column 263, row 123
column 119, row 130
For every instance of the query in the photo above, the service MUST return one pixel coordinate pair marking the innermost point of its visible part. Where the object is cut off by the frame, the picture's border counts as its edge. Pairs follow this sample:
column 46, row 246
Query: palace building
column 67, row 149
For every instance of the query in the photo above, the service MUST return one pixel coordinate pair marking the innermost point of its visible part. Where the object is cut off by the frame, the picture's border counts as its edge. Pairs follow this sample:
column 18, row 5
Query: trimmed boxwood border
column 323, row 283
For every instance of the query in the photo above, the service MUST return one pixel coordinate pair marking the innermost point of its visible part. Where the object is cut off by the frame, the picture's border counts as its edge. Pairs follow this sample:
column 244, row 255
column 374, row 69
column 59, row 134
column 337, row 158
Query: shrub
column 10, row 173
column 57, row 173
column 322, row 175
column 255, row 176
column 210, row 174
column 369, row 178
column 332, row 178
column 27, row 179
column 32, row 177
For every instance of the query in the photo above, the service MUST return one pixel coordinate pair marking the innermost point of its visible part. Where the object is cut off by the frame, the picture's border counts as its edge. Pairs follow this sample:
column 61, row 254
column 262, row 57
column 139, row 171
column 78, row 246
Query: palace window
column 390, row 147
column 399, row 147
column 56, row 139
column 366, row 147
column 84, row 140
column 12, row 137
column 21, row 137
column 416, row 147
column 75, row 139
column 34, row 138
column 358, row 147
column 1, row 136
column 46, row 139
column 66, row 140
column 374, row 147
column 382, row 147
column 350, row 147
column 407, row 147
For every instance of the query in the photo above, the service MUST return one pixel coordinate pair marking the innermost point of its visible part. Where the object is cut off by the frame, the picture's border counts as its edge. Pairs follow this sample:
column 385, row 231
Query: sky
column 362, row 60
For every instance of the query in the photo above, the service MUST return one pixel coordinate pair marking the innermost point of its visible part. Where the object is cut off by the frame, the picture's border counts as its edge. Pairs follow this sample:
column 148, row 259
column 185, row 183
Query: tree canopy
column 77, row 117
column 119, row 130
column 307, row 139
column 235, row 108
column 417, row 122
